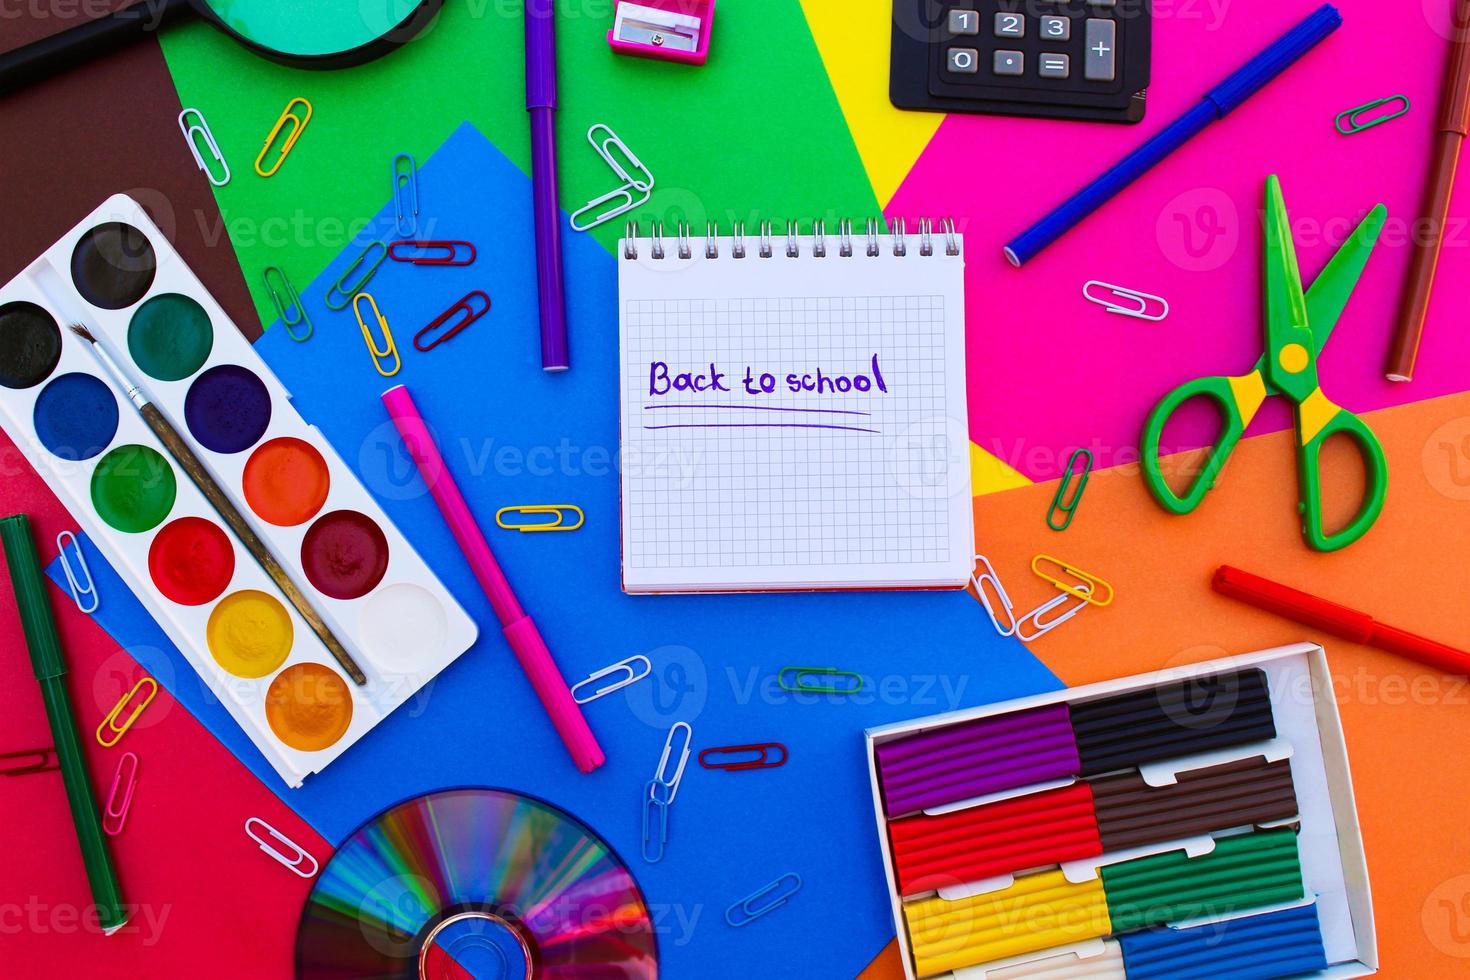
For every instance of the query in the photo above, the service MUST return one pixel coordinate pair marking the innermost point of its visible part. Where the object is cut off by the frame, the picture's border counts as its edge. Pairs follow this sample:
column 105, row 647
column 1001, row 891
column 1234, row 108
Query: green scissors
column 1297, row 327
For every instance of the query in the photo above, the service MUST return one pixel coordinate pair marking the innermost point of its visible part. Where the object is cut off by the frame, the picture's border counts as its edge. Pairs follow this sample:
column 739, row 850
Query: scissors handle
column 1309, row 461
column 1232, row 397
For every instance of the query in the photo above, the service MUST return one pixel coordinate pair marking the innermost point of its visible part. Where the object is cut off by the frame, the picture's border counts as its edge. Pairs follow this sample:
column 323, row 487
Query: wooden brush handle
column 253, row 544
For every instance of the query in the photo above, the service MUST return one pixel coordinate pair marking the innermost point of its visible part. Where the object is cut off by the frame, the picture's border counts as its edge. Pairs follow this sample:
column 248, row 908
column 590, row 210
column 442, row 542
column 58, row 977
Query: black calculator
column 1059, row 59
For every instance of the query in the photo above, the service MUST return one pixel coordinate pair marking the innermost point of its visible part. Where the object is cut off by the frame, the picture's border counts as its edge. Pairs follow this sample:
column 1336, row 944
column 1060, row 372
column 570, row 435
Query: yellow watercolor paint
column 309, row 707
column 249, row 633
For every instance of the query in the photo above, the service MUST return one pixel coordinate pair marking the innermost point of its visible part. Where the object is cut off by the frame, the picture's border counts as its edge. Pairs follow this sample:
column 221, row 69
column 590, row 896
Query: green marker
column 45, row 647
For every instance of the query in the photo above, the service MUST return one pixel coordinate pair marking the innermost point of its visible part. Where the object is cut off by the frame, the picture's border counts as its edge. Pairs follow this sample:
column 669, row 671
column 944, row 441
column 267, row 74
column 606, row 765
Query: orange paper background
column 1407, row 727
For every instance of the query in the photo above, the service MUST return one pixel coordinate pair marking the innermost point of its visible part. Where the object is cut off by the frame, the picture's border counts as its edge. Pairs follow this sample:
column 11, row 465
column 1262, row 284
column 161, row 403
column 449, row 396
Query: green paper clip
column 1061, row 504
column 368, row 269
column 1347, row 121
column 287, row 301
column 797, row 684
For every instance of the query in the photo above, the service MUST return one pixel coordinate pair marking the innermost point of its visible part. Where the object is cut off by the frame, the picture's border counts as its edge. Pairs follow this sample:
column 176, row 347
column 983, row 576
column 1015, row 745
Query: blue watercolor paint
column 227, row 409
column 76, row 416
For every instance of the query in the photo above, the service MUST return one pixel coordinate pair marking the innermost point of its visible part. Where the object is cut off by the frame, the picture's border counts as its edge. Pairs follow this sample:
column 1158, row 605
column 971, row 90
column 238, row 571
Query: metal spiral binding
column 792, row 249
column 951, row 237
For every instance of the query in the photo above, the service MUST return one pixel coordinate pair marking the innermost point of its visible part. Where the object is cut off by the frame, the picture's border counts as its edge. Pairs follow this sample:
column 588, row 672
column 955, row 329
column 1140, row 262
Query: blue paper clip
column 652, row 803
column 364, row 267
column 405, row 195
column 78, row 579
column 743, row 914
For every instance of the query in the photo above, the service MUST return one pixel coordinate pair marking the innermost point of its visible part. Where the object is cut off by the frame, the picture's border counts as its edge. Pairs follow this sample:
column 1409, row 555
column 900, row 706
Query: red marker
column 1341, row 621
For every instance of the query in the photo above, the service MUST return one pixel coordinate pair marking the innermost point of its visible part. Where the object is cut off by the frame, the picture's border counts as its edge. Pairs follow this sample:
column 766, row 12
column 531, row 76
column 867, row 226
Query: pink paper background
column 208, row 901
column 1049, row 371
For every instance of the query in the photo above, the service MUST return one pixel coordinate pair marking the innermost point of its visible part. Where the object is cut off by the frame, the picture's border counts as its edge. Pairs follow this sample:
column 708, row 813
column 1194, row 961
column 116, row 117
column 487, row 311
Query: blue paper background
column 511, row 434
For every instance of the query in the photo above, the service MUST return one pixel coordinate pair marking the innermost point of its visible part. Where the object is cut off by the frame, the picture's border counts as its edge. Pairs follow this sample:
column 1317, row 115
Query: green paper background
column 755, row 133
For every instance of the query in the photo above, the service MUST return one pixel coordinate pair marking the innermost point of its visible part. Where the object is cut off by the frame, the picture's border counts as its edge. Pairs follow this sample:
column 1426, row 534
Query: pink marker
column 520, row 632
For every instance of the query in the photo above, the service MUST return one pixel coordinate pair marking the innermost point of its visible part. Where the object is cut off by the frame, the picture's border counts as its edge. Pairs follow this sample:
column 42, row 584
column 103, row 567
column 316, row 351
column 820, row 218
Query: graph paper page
column 796, row 422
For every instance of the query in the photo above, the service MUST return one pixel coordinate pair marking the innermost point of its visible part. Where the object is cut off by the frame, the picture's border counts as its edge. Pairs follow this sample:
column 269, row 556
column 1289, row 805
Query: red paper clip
column 762, row 760
column 115, row 812
column 30, row 760
column 464, row 306
column 451, row 250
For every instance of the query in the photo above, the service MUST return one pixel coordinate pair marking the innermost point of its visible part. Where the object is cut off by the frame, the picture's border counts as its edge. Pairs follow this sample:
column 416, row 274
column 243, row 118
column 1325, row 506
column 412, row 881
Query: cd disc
column 475, row 884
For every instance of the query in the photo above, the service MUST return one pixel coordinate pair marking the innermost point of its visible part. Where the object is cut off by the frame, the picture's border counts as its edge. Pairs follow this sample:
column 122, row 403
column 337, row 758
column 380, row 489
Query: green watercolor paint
column 133, row 489
column 170, row 337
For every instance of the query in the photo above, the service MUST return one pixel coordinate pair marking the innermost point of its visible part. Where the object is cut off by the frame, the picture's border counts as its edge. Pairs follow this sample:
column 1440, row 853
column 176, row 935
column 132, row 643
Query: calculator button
column 1010, row 25
column 1010, row 63
column 964, row 22
column 1055, row 66
column 1056, row 28
column 965, row 61
column 1101, row 63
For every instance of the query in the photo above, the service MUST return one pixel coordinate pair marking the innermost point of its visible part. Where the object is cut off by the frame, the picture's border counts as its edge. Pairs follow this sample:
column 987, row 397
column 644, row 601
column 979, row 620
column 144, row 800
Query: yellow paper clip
column 389, row 348
column 558, row 524
column 1095, row 590
column 286, row 116
column 116, row 731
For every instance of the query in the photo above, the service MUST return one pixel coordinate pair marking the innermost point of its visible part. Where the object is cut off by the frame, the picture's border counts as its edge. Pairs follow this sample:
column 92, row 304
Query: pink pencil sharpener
column 673, row 30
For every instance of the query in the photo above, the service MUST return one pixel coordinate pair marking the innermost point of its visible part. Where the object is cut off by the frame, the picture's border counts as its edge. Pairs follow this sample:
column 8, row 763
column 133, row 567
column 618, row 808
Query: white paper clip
column 198, row 129
column 298, row 863
column 1139, row 305
column 1042, row 626
column 78, row 578
column 659, row 777
column 978, row 580
column 635, row 176
column 622, row 666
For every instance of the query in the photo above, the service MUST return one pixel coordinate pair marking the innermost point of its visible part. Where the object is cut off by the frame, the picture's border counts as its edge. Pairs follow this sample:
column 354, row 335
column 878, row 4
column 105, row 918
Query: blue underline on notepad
column 766, row 408
column 761, row 425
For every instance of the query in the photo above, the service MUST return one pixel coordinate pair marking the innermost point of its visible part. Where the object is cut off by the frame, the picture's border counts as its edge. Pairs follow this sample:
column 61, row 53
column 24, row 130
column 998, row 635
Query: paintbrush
column 215, row 494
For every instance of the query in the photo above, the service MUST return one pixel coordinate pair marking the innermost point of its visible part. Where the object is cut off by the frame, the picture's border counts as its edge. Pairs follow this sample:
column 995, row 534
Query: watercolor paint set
column 1191, row 823
column 310, row 616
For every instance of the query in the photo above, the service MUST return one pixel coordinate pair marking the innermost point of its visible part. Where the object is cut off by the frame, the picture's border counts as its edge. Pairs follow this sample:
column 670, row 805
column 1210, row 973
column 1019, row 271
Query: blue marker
column 1221, row 99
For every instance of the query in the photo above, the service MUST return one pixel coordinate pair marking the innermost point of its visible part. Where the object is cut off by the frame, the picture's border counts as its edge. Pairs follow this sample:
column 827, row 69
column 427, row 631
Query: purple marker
column 545, row 207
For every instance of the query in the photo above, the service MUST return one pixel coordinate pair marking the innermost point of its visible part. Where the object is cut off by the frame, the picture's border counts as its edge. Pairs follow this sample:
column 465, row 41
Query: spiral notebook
column 793, row 410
